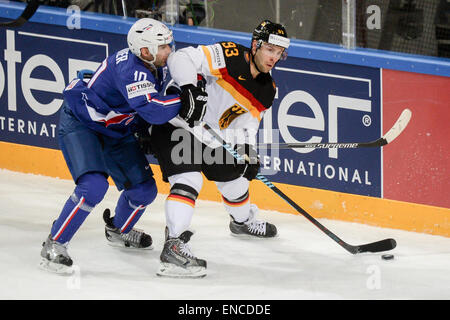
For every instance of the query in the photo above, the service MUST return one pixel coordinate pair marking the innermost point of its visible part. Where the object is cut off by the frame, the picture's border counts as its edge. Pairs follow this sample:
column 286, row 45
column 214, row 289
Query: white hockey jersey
column 236, row 101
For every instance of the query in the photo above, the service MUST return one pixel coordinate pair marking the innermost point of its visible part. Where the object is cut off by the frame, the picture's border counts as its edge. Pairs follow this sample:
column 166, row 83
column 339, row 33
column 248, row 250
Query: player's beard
column 160, row 61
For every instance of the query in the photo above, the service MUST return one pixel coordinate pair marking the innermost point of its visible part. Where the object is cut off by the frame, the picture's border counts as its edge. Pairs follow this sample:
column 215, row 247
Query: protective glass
column 274, row 51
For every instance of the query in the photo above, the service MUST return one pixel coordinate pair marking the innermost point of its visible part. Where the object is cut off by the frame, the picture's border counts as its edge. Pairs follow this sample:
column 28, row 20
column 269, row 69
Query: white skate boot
column 177, row 259
column 253, row 228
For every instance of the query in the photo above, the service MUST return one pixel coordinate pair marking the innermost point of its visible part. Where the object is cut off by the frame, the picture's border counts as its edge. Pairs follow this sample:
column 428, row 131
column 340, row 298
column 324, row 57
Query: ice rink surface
column 301, row 263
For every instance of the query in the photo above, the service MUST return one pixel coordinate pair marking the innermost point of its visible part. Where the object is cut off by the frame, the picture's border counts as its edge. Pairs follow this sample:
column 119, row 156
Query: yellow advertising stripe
column 319, row 203
column 372, row 211
column 29, row 159
column 229, row 88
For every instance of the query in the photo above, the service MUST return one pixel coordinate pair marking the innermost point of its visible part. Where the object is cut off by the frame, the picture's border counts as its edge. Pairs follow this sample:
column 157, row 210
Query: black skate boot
column 253, row 228
column 135, row 239
column 54, row 257
column 177, row 260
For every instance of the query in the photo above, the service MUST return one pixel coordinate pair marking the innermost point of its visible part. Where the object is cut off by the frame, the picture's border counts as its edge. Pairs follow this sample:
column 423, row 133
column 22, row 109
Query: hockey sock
column 236, row 198
column 90, row 190
column 238, row 208
column 132, row 203
column 180, row 206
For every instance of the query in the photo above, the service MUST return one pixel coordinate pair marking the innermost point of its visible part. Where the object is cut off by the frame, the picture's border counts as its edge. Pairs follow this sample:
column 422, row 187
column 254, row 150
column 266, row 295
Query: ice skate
column 54, row 257
column 135, row 239
column 253, row 228
column 177, row 260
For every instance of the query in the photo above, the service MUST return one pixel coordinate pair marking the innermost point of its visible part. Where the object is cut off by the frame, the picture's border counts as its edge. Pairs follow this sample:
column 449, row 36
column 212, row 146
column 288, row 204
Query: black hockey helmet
column 270, row 32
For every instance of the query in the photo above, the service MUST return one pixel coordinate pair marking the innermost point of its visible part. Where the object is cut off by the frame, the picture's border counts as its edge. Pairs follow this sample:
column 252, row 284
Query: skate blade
column 249, row 236
column 123, row 246
column 170, row 270
column 49, row 266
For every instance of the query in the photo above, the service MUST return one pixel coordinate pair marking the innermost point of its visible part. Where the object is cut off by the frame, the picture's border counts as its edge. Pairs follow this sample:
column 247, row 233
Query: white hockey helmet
column 149, row 33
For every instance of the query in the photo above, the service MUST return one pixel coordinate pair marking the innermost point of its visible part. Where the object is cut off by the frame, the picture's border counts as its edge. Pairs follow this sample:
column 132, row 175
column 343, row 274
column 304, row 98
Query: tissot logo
column 140, row 88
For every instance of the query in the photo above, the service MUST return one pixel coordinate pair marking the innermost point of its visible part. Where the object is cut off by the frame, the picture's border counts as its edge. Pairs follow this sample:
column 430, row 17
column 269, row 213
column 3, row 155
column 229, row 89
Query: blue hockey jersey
column 121, row 92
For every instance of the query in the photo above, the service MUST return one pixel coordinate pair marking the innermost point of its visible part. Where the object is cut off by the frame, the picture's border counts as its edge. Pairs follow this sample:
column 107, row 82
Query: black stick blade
column 379, row 246
column 27, row 13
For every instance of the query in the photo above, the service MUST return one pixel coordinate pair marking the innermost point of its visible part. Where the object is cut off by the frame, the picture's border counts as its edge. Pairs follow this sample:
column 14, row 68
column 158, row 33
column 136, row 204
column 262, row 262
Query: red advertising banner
column 417, row 167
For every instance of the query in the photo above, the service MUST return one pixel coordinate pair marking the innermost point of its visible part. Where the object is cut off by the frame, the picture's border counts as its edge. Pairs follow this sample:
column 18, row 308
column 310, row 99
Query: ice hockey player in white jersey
column 240, row 89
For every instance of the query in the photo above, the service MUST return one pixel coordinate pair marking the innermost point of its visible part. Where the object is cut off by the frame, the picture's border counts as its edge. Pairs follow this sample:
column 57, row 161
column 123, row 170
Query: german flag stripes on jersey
column 236, row 100
column 233, row 76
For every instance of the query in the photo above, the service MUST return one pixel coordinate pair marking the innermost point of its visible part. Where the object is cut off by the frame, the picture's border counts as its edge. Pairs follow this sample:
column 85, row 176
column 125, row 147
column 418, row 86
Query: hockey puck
column 387, row 256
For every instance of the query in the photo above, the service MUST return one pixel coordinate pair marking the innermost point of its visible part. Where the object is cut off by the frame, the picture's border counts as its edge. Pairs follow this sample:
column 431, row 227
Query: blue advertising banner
column 36, row 62
column 324, row 102
column 316, row 101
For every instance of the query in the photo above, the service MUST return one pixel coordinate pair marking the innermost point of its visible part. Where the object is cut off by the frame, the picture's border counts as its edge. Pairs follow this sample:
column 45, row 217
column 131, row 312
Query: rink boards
column 324, row 94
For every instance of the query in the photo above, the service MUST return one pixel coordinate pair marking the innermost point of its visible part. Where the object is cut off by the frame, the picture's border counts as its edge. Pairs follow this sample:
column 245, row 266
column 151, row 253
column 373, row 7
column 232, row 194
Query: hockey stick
column 27, row 13
column 378, row 246
column 393, row 133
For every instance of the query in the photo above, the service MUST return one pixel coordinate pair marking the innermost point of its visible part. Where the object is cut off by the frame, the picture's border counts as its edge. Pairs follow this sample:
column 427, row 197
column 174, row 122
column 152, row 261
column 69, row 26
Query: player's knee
column 143, row 193
column 235, row 189
column 93, row 187
column 185, row 186
column 191, row 179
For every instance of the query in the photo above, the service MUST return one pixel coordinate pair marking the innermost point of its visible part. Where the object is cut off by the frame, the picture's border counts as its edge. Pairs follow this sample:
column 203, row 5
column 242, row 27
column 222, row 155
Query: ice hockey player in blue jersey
column 98, row 120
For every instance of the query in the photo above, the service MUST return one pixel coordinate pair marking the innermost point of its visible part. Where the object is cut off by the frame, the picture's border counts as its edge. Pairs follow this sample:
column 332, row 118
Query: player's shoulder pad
column 232, row 48
column 122, row 56
column 215, row 55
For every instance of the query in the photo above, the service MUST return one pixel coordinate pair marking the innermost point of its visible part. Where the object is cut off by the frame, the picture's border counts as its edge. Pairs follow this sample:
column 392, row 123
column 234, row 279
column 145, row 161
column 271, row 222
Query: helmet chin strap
column 254, row 62
column 253, row 59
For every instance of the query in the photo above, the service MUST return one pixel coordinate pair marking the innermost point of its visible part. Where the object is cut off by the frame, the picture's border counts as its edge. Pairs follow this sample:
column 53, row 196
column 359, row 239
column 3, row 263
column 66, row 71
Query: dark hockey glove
column 249, row 165
column 173, row 88
column 193, row 103
column 144, row 140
